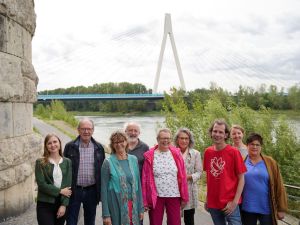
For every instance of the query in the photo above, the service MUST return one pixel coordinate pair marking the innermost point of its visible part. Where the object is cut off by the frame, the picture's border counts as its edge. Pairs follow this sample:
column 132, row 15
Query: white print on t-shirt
column 216, row 166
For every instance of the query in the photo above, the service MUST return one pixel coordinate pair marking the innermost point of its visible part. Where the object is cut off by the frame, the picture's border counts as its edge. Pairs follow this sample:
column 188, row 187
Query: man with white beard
column 135, row 145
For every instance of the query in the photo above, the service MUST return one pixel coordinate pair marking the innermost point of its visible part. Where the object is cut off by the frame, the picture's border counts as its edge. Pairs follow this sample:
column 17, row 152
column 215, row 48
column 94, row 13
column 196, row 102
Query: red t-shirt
column 222, row 168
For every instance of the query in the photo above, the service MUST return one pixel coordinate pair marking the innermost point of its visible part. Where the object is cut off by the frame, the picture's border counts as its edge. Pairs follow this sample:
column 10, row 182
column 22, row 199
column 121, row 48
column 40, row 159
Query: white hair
column 126, row 125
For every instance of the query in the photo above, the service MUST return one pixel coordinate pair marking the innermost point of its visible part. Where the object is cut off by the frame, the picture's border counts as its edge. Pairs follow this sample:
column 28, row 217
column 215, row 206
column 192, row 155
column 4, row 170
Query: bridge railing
column 45, row 97
column 293, row 193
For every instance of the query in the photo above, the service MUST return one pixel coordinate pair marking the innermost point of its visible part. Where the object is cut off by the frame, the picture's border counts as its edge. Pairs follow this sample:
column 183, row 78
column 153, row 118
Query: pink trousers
column 172, row 206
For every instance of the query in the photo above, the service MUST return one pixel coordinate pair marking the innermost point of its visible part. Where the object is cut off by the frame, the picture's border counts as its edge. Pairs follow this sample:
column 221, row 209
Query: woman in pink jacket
column 164, row 182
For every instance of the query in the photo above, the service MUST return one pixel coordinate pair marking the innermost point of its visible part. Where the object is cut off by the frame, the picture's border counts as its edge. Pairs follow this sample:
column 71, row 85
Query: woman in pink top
column 164, row 182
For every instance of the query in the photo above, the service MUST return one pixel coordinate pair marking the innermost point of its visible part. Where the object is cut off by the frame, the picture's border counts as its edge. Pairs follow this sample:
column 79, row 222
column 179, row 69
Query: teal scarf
column 119, row 185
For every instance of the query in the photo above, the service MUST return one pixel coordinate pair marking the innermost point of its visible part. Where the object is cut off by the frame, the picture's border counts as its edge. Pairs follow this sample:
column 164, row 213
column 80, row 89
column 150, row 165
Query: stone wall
column 19, row 146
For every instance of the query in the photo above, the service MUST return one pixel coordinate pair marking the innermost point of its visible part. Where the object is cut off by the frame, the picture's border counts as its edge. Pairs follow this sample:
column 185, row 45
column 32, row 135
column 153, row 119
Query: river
column 105, row 125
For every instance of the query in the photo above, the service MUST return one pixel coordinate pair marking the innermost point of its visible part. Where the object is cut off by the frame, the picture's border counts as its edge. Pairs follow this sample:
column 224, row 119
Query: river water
column 105, row 125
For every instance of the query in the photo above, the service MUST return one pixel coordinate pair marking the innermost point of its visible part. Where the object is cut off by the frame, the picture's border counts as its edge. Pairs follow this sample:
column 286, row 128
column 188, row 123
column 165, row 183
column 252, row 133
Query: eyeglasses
column 165, row 139
column 255, row 145
column 86, row 129
column 118, row 142
column 184, row 138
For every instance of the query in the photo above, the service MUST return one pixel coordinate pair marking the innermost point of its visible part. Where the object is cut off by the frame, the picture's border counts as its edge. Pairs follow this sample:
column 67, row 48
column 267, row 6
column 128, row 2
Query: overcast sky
column 231, row 43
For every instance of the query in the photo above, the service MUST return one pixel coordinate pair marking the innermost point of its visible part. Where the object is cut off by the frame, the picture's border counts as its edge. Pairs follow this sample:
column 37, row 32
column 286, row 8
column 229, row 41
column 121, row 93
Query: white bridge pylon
column 168, row 31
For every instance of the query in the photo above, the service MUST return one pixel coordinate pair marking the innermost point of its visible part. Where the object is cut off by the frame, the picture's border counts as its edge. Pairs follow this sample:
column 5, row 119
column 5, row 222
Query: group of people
column 243, row 185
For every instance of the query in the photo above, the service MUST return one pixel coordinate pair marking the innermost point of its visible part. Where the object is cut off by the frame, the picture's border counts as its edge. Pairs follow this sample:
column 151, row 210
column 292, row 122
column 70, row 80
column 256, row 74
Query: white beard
column 133, row 139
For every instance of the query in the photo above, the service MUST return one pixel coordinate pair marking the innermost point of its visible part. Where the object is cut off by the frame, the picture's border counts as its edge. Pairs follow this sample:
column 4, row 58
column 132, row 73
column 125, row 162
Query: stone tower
column 19, row 146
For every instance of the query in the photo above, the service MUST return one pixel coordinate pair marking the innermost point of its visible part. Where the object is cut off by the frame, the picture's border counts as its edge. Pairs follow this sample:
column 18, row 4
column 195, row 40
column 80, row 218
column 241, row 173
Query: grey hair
column 130, row 124
column 188, row 133
column 167, row 130
column 85, row 119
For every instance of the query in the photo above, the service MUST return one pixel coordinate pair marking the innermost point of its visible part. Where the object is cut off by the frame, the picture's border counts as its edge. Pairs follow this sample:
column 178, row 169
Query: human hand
column 229, row 208
column 189, row 177
column 280, row 215
column 107, row 221
column 66, row 191
column 61, row 211
column 146, row 208
column 183, row 204
column 205, row 206
column 141, row 216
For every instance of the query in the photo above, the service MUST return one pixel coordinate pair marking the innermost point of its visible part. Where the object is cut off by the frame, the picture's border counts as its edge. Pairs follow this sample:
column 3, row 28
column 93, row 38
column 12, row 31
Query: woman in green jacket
column 121, row 194
column 53, row 174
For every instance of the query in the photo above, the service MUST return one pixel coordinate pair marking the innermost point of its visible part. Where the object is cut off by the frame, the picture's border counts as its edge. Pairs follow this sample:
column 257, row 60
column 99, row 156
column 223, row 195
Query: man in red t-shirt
column 225, row 170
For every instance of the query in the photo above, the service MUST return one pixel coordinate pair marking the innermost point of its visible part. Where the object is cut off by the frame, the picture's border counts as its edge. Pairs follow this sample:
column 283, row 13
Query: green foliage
column 55, row 111
column 280, row 140
column 108, row 106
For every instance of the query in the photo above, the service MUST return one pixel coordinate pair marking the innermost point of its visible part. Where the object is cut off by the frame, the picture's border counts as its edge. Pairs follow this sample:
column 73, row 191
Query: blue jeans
column 249, row 218
column 88, row 197
column 220, row 218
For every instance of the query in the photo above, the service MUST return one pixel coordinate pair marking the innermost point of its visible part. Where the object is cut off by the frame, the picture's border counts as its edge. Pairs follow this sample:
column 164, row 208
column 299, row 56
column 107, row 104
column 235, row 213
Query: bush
column 280, row 140
column 55, row 111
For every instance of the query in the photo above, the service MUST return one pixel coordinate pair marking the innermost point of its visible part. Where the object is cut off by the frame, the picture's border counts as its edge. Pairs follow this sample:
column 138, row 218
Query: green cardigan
column 47, row 192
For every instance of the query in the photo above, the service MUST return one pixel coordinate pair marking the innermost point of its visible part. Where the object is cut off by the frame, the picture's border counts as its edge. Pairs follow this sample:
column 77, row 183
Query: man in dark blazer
column 87, row 156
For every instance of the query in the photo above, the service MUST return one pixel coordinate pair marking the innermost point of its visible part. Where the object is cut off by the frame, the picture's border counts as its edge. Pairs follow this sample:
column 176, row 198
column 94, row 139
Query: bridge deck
column 100, row 97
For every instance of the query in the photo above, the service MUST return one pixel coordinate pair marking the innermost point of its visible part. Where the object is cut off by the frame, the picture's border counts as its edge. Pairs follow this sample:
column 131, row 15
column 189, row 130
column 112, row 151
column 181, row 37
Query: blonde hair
column 236, row 126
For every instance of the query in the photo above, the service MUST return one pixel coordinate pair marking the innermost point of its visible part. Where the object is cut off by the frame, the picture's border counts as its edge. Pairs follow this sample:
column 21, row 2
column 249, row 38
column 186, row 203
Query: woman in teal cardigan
column 53, row 174
column 121, row 193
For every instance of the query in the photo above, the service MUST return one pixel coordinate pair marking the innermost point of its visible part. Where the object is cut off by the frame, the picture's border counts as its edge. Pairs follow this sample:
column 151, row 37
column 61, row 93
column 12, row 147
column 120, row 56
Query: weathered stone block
column 3, row 32
column 2, row 204
column 17, row 198
column 22, row 118
column 11, row 81
column 14, row 37
column 6, row 121
column 21, row 11
column 7, row 178
column 16, row 151
column 28, row 71
column 27, row 47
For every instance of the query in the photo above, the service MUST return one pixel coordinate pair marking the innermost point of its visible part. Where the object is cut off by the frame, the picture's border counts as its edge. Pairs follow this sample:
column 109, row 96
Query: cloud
column 231, row 44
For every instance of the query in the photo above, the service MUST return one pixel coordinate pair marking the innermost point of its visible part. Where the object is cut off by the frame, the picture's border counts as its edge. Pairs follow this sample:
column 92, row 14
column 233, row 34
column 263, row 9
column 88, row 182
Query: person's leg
column 249, row 218
column 235, row 217
column 265, row 219
column 89, row 205
column 45, row 213
column 74, row 207
column 217, row 216
column 156, row 215
column 188, row 216
column 173, row 211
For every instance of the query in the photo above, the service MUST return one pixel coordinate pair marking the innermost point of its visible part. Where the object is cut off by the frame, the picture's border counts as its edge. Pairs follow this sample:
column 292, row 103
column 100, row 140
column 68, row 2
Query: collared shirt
column 86, row 171
column 57, row 174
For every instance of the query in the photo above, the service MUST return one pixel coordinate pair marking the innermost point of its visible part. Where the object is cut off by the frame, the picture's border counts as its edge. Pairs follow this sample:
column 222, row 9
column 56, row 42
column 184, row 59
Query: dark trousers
column 88, row 197
column 47, row 214
column 249, row 218
column 188, row 216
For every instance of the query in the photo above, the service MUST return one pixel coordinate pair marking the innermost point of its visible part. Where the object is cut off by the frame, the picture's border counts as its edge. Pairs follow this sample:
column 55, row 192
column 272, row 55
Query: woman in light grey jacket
column 184, row 139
